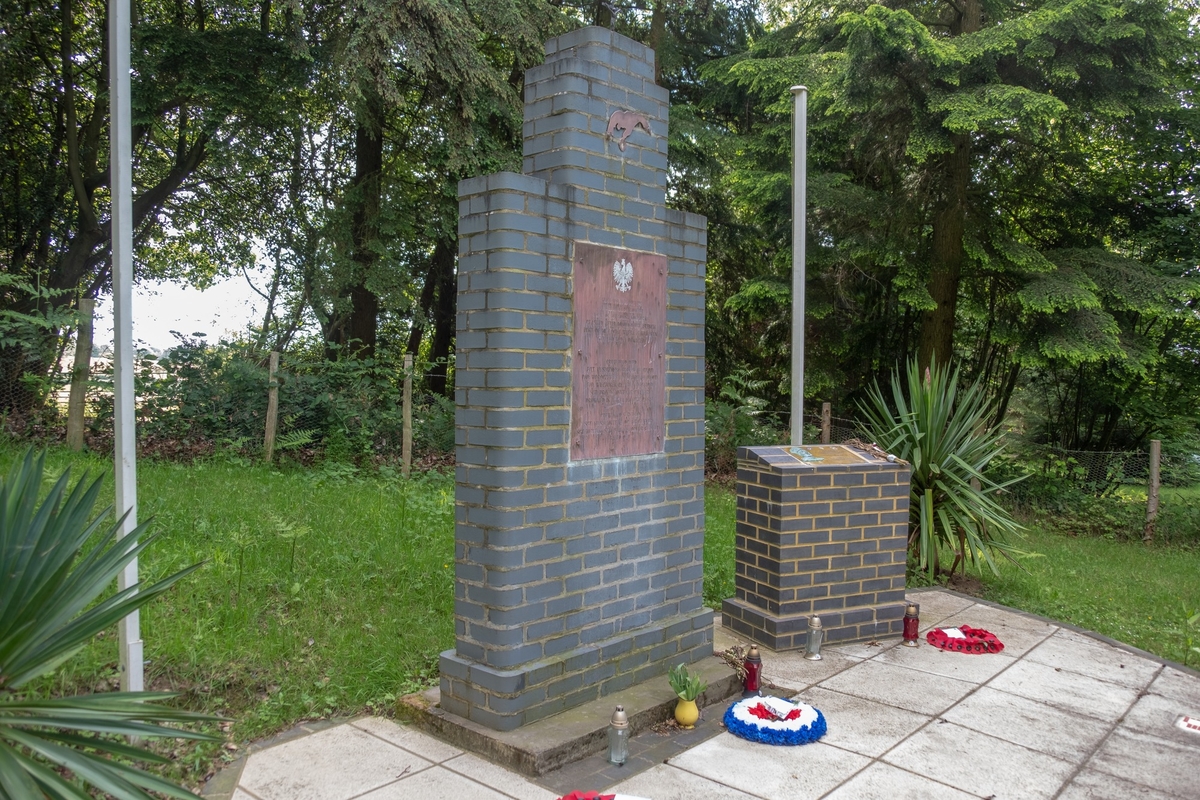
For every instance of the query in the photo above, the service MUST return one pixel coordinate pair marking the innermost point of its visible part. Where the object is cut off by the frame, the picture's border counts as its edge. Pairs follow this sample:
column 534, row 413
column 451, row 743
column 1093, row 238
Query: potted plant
column 688, row 687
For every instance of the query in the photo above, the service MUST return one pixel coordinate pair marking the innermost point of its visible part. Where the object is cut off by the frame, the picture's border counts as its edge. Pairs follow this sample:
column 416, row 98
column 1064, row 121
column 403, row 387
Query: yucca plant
column 55, row 562
column 947, row 438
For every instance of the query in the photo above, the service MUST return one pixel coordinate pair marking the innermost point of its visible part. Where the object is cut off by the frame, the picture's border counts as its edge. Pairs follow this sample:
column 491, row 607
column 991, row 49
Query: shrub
column 736, row 420
column 949, row 442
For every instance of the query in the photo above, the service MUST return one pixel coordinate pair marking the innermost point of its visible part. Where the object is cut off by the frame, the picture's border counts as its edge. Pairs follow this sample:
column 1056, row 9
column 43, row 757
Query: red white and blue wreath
column 773, row 721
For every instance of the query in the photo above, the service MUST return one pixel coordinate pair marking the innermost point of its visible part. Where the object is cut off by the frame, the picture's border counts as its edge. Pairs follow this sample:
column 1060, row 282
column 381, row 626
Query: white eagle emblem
column 623, row 275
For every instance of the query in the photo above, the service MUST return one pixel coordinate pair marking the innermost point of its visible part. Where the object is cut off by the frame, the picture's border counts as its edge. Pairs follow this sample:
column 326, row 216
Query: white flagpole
column 124, row 459
column 799, row 220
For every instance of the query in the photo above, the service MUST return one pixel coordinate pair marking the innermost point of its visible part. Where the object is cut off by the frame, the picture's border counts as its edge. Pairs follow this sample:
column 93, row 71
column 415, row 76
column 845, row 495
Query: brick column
column 820, row 530
column 575, row 578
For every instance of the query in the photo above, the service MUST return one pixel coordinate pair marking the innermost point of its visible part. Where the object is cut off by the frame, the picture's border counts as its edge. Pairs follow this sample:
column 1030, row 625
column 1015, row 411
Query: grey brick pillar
column 580, row 484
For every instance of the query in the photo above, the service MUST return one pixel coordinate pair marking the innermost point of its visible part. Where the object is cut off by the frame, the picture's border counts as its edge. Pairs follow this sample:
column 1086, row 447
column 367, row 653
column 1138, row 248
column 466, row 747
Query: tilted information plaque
column 618, row 384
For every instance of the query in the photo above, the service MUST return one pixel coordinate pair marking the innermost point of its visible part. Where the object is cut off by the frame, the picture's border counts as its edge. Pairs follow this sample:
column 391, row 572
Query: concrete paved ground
column 1057, row 714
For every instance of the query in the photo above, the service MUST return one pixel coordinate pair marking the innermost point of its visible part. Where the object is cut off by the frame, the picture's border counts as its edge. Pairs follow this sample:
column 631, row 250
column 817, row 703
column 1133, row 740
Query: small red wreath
column 975, row 641
column 762, row 712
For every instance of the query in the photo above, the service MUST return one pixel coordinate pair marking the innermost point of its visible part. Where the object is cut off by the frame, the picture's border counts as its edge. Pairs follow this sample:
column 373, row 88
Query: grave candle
column 812, row 648
column 753, row 665
column 618, row 737
column 911, row 622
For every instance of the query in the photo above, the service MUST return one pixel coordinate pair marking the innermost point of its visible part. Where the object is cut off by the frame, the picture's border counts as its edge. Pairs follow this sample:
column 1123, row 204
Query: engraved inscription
column 826, row 454
column 618, row 384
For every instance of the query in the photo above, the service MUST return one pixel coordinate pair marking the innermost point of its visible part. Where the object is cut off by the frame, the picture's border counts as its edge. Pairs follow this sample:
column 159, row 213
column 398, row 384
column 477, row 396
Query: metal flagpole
column 124, row 460
column 799, row 220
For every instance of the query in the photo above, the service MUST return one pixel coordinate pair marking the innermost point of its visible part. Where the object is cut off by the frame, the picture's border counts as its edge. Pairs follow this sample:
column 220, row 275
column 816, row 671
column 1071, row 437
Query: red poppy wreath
column 964, row 639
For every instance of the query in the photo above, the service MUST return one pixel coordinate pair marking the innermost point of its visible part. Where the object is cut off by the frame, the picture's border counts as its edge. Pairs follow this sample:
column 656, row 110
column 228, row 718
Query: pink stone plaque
column 618, row 365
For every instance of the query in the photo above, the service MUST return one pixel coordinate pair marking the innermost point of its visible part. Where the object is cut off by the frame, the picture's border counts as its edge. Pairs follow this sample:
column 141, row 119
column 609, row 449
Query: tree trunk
column 443, row 314
column 658, row 34
column 428, row 294
column 949, row 225
column 359, row 332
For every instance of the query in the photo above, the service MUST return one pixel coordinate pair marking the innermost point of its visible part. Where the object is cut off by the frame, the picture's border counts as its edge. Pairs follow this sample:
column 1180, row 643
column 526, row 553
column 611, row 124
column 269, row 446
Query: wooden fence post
column 825, row 422
column 272, row 406
column 82, row 370
column 406, row 440
column 1152, row 490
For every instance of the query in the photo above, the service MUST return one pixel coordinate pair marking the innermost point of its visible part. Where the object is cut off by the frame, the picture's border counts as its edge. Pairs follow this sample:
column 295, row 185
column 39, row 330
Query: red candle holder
column 753, row 665
column 912, row 622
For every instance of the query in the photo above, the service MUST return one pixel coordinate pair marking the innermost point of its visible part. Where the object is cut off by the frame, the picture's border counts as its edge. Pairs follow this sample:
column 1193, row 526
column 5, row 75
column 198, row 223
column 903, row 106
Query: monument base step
column 790, row 632
column 553, row 742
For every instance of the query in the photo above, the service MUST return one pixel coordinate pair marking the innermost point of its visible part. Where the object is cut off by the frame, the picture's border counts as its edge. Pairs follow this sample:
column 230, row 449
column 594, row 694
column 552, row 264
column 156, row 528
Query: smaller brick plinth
column 820, row 530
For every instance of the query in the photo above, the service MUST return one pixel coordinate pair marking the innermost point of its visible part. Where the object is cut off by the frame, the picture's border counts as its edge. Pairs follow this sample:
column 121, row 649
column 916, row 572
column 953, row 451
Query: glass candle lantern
column 812, row 648
column 912, row 622
column 618, row 737
column 753, row 663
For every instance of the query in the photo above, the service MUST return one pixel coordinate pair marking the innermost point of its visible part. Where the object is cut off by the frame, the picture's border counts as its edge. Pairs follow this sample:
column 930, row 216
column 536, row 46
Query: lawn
column 1137, row 594
column 322, row 593
column 325, row 592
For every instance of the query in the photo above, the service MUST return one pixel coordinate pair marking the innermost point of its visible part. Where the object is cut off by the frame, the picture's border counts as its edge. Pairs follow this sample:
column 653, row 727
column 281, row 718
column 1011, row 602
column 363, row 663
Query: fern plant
column 49, row 610
column 947, row 438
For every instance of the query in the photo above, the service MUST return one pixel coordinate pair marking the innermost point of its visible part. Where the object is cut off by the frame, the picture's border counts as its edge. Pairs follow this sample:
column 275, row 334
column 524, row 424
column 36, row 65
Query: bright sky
column 223, row 309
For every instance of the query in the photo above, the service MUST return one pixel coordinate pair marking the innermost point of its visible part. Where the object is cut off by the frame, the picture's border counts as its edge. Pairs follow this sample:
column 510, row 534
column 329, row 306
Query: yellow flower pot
column 686, row 713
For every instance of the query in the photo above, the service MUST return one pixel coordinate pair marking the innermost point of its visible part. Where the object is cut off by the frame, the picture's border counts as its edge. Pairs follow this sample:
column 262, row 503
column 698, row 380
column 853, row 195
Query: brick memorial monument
column 580, row 402
column 821, row 530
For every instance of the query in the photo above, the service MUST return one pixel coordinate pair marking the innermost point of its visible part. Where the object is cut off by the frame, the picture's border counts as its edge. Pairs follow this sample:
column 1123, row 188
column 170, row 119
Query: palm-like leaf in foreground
column 947, row 438
column 50, row 579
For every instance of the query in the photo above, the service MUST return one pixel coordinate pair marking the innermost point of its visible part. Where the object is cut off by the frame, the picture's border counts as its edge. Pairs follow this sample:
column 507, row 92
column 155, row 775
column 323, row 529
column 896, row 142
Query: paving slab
column 911, row 689
column 982, row 764
column 1017, row 632
column 1154, row 715
column 791, row 671
column 1038, row 726
column 1092, row 785
column 436, row 783
column 1180, row 686
column 502, row 780
column 938, row 605
column 410, row 739
column 646, row 750
column 882, row 781
column 772, row 773
column 351, row 762
column 1055, row 712
column 860, row 725
column 1075, row 652
column 1070, row 691
column 666, row 782
column 1150, row 761
column 969, row 667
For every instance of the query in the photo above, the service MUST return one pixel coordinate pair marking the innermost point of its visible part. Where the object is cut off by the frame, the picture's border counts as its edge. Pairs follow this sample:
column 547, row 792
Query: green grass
column 322, row 593
column 720, row 521
column 325, row 593
column 1133, row 593
column 1136, row 594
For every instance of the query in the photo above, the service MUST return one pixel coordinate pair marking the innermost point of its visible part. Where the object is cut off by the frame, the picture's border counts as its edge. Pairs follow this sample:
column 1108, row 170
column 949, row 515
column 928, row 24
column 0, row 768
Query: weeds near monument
column 1191, row 627
column 948, row 439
